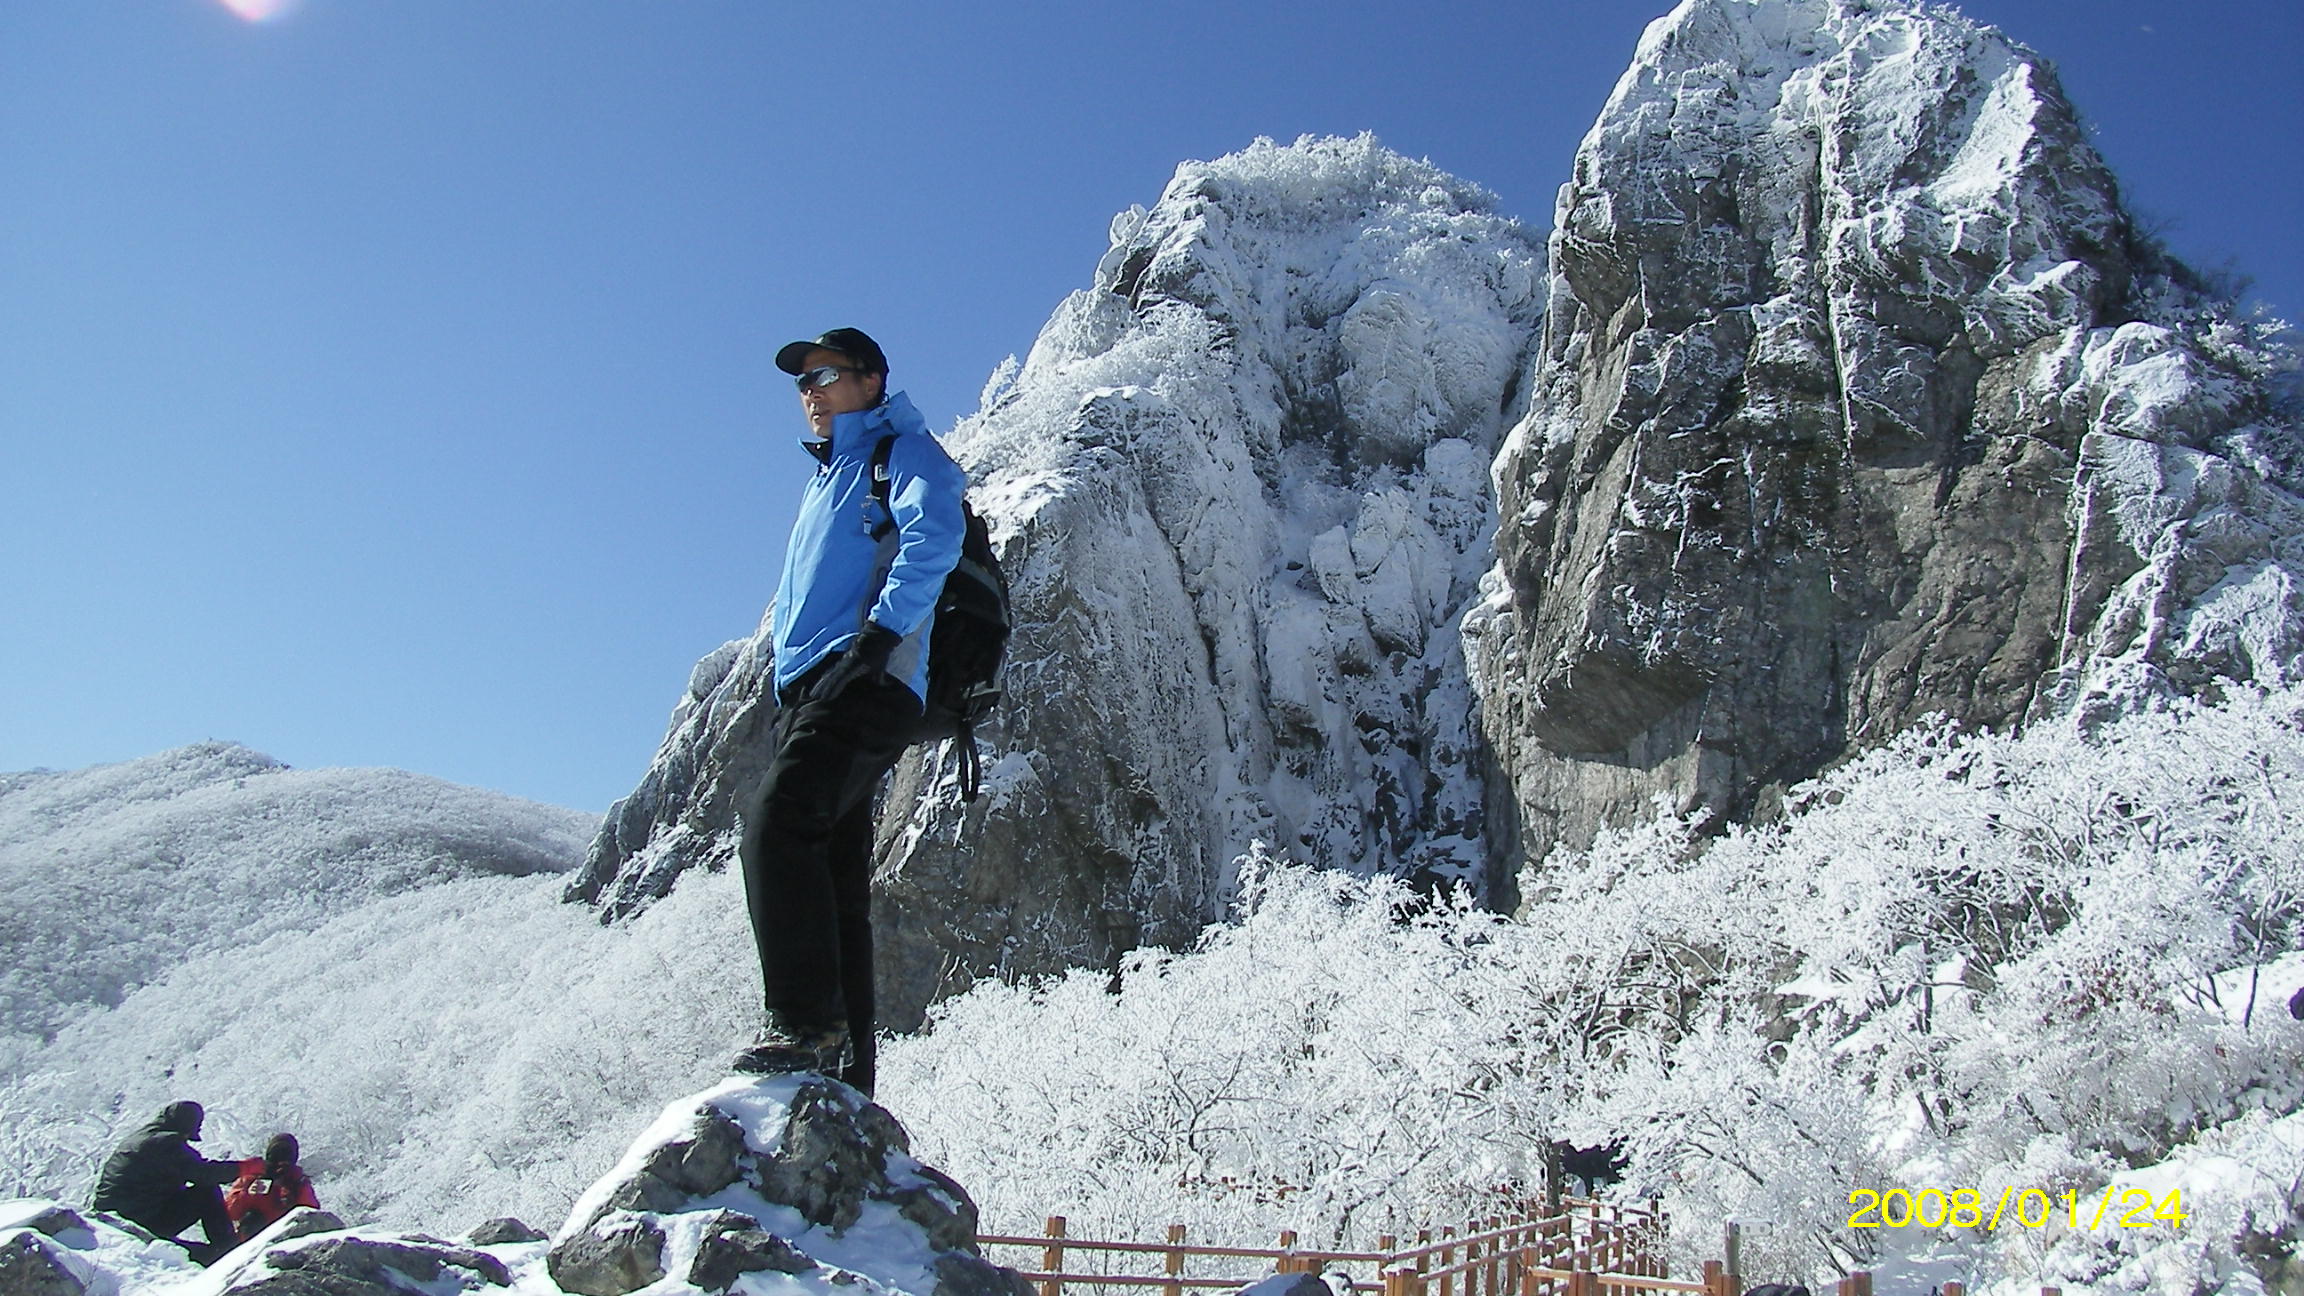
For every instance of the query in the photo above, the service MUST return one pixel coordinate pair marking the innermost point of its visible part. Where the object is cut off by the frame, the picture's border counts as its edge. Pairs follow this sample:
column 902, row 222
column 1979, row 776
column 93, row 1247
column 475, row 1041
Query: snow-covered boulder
column 333, row 1262
column 1861, row 398
column 49, row 1249
column 797, row 1175
column 36, row 1242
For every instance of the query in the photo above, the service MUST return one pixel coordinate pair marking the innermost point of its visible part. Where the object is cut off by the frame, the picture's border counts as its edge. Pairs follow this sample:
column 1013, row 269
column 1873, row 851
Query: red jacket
column 256, row 1199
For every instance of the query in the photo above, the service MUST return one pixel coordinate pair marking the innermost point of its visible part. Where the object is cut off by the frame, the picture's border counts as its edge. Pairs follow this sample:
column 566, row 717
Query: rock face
column 683, row 814
column 797, row 1175
column 1241, row 490
column 1860, row 399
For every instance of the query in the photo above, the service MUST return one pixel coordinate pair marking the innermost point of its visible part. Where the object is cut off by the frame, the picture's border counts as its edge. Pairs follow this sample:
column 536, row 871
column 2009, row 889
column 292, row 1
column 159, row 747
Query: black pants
column 202, row 1205
column 807, row 855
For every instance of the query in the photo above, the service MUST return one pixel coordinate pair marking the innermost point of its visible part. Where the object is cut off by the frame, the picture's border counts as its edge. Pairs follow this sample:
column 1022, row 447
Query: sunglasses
column 823, row 376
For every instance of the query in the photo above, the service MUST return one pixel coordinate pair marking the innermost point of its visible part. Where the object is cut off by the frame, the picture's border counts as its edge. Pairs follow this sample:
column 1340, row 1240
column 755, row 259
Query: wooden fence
column 1589, row 1249
column 1617, row 1248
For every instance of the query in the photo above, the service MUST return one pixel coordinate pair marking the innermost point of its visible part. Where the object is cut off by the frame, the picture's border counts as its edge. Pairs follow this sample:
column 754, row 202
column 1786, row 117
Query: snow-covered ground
column 2057, row 962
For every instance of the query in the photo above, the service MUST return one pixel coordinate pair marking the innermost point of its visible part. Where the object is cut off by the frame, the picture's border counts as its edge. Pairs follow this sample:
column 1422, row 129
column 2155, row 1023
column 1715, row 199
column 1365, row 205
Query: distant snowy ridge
column 119, row 873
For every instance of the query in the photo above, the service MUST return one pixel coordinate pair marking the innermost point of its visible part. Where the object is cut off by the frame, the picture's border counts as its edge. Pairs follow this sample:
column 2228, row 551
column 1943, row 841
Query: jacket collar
column 854, row 433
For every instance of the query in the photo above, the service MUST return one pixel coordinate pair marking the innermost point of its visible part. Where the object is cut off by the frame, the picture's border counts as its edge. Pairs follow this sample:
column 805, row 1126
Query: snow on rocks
column 1240, row 482
column 796, row 1176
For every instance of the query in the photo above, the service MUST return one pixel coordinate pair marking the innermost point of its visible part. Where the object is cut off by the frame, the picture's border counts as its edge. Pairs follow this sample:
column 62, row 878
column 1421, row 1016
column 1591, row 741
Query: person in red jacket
column 269, row 1187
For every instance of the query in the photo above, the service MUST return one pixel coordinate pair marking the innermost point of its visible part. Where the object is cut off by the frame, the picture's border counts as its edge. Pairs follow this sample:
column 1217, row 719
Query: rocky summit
column 1861, row 399
column 795, row 1177
column 1348, row 524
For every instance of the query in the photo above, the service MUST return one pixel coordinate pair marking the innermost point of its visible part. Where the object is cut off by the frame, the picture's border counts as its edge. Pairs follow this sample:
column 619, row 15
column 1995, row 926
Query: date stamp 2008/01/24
column 2026, row 1208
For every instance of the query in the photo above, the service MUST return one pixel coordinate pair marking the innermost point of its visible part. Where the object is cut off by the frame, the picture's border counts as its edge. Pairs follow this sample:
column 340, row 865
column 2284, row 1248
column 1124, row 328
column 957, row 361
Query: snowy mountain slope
column 1861, row 398
column 2050, row 963
column 121, row 872
column 1240, row 485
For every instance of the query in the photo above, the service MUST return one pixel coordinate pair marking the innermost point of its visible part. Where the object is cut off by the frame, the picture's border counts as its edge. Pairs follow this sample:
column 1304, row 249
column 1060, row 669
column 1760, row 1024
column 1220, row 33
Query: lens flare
column 257, row 11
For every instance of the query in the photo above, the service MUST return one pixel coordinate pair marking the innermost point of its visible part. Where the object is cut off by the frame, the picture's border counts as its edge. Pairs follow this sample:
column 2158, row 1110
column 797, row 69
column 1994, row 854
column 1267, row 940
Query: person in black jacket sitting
column 156, row 1180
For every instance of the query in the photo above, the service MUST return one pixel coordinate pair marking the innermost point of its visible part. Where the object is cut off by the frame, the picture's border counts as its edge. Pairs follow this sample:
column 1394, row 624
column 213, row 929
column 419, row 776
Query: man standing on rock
column 850, row 632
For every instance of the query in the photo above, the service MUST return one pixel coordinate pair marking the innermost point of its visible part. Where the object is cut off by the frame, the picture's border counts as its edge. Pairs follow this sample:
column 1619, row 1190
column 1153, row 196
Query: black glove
column 866, row 658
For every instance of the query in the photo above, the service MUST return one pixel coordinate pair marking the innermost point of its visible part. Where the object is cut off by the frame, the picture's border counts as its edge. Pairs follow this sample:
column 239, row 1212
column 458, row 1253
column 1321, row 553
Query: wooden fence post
column 1481, row 1280
column 1715, row 1279
column 1954, row 1287
column 1288, row 1261
column 1175, row 1260
column 1052, row 1257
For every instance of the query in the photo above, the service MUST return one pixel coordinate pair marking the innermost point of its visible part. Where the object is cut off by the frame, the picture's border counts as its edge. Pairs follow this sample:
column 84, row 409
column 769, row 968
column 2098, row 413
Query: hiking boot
column 782, row 1052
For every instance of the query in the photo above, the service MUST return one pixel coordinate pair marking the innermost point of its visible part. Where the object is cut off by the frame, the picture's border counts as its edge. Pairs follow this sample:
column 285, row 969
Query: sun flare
column 257, row 11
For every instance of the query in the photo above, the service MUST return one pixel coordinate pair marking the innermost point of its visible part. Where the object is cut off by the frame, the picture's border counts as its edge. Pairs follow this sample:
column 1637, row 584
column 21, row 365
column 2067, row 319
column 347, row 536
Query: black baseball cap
column 852, row 343
column 183, row 1117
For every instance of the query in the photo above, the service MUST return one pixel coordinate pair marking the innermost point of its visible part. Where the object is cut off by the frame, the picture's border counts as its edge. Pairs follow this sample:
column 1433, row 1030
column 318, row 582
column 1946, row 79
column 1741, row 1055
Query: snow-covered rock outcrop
column 797, row 1175
column 1860, row 398
column 1241, row 489
column 795, row 1179
column 142, row 865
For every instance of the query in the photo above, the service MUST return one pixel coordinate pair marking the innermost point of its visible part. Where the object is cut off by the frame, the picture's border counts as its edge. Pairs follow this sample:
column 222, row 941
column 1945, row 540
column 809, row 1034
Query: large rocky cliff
column 1240, row 485
column 1346, row 525
column 1860, row 398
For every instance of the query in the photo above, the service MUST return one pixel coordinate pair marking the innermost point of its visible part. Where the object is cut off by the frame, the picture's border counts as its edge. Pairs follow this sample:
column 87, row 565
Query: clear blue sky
column 387, row 383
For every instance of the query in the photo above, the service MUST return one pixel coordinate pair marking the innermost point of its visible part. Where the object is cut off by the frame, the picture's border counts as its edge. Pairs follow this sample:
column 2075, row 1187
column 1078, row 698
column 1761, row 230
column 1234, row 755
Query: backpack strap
column 971, row 760
column 964, row 741
column 882, row 483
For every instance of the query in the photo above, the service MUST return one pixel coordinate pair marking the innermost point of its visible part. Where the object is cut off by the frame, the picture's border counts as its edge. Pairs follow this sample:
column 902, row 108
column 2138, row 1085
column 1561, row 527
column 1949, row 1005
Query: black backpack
column 970, row 638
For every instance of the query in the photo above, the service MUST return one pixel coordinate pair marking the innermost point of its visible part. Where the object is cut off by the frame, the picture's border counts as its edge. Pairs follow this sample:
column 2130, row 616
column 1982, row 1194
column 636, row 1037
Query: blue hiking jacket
column 833, row 567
